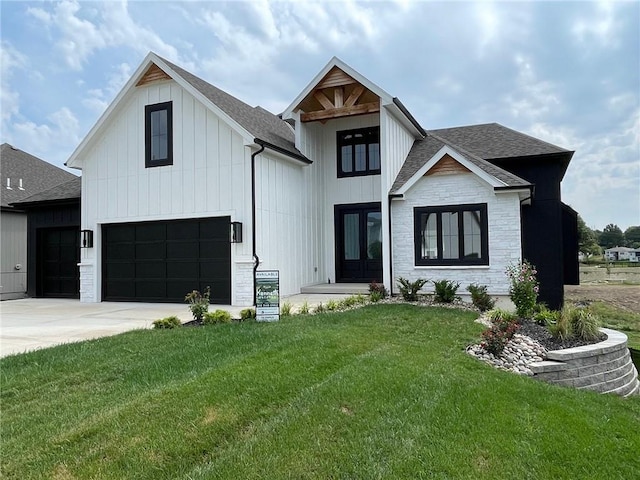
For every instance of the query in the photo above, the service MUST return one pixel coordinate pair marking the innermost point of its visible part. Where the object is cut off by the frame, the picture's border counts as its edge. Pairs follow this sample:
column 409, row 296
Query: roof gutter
column 256, row 259
column 410, row 117
column 281, row 150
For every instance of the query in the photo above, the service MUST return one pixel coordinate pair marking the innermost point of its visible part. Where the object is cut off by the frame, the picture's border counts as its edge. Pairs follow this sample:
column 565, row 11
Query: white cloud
column 533, row 98
column 10, row 61
column 111, row 25
column 599, row 27
column 98, row 99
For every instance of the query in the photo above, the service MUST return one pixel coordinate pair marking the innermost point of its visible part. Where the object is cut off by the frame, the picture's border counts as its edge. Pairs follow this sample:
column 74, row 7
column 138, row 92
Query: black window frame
column 148, row 110
column 372, row 136
column 460, row 209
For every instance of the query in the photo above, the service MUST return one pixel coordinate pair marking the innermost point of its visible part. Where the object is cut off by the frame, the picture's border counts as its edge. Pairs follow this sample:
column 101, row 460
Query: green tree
column 632, row 236
column 587, row 243
column 611, row 236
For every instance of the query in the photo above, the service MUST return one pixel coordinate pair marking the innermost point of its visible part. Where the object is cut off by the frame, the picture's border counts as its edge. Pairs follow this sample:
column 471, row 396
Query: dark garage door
column 163, row 261
column 57, row 265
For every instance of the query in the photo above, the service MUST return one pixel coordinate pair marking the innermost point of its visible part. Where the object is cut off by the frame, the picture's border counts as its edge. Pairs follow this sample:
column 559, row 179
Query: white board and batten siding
column 210, row 175
column 503, row 215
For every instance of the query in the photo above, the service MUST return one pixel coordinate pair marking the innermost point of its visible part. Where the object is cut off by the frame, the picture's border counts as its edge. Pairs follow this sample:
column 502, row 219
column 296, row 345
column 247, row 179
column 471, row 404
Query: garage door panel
column 169, row 259
column 151, row 231
column 151, row 251
column 182, row 249
column 150, row 270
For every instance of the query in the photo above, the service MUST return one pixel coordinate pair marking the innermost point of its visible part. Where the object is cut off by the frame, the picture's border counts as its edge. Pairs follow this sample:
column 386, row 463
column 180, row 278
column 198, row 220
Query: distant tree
column 632, row 236
column 587, row 243
column 611, row 236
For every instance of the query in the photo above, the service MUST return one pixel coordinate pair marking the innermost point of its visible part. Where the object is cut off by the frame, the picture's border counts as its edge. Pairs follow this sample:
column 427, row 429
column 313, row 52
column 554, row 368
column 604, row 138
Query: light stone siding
column 87, row 287
column 503, row 212
column 242, row 284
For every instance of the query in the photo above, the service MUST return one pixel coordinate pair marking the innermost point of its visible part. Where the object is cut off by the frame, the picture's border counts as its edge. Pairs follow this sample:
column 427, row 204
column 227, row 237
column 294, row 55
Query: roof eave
column 283, row 151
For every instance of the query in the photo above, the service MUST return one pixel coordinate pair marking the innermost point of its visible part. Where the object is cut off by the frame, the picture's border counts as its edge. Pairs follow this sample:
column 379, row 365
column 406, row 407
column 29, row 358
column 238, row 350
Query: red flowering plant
column 524, row 288
column 504, row 326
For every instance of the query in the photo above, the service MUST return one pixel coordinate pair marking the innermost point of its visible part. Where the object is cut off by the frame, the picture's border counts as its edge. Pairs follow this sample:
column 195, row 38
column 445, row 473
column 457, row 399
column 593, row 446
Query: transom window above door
column 359, row 152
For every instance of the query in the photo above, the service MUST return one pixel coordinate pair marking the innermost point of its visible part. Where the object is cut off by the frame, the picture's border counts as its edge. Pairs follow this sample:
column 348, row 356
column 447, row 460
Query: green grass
column 381, row 392
column 618, row 319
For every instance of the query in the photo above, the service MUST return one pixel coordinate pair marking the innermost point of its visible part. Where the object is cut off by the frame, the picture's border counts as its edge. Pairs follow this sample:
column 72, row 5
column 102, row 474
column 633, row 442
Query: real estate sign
column 267, row 295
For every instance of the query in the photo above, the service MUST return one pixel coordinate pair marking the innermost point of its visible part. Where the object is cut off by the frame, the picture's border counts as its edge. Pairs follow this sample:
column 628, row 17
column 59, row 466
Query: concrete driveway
column 32, row 323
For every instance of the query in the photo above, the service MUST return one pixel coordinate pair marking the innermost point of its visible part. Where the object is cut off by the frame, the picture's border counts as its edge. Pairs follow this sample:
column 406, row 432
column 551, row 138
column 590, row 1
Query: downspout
column 256, row 259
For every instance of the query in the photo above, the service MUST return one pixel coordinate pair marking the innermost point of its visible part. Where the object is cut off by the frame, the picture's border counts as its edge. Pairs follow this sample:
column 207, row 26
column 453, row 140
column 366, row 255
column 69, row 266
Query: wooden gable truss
column 338, row 95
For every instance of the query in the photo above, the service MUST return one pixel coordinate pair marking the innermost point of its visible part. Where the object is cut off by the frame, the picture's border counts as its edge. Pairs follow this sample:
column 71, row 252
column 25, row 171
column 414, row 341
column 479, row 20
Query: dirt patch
column 625, row 297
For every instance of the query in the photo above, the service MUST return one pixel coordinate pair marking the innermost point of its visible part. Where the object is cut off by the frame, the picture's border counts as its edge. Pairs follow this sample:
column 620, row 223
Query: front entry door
column 358, row 242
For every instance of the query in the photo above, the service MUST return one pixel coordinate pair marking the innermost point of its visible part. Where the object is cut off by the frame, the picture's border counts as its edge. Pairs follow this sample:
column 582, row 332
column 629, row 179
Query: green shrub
column 498, row 315
column 198, row 302
column 545, row 317
column 524, row 288
column 285, row 309
column 247, row 314
column 320, row 308
column 332, row 305
column 167, row 322
column 378, row 290
column 360, row 299
column 409, row 290
column 217, row 316
column 480, row 298
column 495, row 338
column 304, row 308
column 584, row 324
column 562, row 329
column 445, row 290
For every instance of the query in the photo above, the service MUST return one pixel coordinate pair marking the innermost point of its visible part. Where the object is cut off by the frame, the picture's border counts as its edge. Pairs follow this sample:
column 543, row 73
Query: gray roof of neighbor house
column 262, row 124
column 69, row 190
column 36, row 175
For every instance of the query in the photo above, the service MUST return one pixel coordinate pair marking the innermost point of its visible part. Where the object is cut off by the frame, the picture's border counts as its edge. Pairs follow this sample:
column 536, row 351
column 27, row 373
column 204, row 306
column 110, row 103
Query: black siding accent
column 56, row 216
column 570, row 245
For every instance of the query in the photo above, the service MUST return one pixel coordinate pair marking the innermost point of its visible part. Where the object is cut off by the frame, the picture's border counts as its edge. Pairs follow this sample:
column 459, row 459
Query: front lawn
column 385, row 391
column 618, row 319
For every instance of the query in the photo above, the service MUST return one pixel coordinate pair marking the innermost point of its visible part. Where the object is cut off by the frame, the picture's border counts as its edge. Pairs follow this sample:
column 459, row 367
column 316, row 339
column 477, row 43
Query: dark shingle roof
column 492, row 141
column 423, row 150
column 36, row 174
column 69, row 190
column 262, row 124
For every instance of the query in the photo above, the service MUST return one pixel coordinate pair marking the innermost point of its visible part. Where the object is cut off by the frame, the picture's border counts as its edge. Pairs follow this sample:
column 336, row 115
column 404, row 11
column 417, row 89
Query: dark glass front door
column 58, row 256
column 358, row 242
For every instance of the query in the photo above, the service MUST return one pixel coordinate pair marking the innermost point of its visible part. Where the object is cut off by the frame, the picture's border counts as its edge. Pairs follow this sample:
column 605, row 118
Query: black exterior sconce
column 236, row 232
column 86, row 238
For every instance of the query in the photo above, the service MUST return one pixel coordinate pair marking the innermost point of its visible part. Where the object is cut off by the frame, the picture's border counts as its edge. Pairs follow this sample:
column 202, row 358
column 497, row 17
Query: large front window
column 158, row 135
column 451, row 235
column 359, row 152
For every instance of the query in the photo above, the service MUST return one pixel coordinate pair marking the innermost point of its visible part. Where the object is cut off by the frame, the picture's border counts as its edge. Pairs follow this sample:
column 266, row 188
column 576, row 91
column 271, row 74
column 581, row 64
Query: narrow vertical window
column 158, row 135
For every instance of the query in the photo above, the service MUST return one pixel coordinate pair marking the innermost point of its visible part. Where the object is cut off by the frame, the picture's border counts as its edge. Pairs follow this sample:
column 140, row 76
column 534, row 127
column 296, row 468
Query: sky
column 565, row 72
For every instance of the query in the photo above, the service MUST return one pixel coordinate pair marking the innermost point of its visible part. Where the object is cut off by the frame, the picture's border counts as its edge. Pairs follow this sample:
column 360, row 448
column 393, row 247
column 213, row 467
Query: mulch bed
column 543, row 336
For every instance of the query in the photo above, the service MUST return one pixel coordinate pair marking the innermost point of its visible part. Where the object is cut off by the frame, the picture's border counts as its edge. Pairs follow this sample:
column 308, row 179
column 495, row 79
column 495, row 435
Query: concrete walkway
column 32, row 323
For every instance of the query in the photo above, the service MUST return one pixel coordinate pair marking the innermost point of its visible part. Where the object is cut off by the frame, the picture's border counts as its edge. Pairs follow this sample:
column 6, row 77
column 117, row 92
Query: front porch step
column 336, row 288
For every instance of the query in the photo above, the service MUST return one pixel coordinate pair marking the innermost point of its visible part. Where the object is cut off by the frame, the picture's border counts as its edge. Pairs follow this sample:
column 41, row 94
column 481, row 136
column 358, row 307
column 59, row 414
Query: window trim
column 484, row 235
column 148, row 110
column 372, row 135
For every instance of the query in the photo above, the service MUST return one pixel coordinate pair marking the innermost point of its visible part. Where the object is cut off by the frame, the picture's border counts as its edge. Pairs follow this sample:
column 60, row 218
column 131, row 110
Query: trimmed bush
column 445, row 290
column 409, row 290
column 377, row 291
column 215, row 317
column 167, row 322
column 480, row 298
column 247, row 314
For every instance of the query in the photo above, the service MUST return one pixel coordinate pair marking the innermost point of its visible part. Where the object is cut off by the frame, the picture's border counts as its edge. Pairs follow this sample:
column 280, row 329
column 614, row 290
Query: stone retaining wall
column 604, row 367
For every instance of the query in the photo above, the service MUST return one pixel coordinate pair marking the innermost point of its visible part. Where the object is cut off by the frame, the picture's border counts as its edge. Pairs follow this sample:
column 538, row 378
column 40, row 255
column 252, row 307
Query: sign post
column 267, row 295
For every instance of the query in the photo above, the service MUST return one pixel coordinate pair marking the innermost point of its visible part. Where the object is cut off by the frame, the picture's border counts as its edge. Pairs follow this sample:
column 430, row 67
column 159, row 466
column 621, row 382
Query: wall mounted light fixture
column 86, row 238
column 236, row 232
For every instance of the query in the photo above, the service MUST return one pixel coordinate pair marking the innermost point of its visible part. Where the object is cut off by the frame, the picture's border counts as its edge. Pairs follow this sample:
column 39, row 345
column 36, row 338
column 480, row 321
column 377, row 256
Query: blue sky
column 565, row 72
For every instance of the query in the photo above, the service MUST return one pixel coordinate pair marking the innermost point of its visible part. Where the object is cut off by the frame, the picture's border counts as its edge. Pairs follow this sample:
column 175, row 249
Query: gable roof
column 336, row 66
column 69, row 190
column 424, row 151
column 492, row 141
column 36, row 175
column 256, row 125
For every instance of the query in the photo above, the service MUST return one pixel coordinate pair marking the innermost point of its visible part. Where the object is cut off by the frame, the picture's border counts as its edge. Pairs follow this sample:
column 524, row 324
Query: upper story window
column 158, row 134
column 451, row 235
column 359, row 152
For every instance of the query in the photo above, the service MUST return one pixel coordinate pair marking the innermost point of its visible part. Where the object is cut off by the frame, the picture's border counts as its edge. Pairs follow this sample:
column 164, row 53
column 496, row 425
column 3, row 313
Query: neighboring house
column 634, row 256
column 53, row 246
column 343, row 186
column 619, row 253
column 23, row 175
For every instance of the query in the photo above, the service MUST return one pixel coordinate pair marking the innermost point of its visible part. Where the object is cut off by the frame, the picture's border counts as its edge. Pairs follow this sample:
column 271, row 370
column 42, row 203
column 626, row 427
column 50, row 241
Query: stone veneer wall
column 604, row 367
